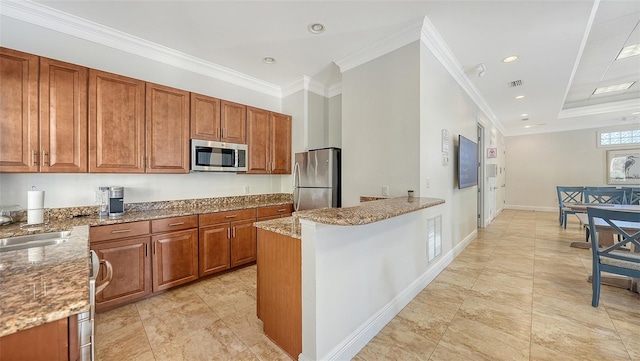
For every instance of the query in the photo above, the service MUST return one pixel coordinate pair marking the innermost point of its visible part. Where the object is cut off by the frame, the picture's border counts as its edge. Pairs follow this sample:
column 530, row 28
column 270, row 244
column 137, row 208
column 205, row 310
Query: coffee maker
column 111, row 201
column 116, row 201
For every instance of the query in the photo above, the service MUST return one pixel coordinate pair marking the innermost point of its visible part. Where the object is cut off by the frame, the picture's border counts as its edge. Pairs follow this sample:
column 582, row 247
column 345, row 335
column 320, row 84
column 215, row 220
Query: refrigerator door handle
column 296, row 182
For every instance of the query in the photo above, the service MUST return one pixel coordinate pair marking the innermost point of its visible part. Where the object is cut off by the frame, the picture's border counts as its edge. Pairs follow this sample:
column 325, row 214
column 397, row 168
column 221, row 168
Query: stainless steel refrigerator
column 316, row 179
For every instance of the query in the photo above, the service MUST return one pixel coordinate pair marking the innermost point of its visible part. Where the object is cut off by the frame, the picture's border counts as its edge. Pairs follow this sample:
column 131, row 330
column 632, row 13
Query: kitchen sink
column 33, row 240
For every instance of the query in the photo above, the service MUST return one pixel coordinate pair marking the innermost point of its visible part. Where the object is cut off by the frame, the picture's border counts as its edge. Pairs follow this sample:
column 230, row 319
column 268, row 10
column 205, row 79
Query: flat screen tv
column 467, row 163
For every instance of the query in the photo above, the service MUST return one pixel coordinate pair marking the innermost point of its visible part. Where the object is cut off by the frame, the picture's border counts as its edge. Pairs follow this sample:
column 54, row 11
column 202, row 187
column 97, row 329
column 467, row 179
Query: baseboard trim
column 532, row 208
column 351, row 345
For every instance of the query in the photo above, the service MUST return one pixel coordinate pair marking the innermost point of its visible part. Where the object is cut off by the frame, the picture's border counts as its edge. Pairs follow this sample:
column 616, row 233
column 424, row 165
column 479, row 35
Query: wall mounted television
column 467, row 163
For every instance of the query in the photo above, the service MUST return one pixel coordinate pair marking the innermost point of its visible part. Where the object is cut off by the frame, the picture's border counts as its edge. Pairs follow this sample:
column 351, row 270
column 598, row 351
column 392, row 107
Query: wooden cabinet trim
column 275, row 210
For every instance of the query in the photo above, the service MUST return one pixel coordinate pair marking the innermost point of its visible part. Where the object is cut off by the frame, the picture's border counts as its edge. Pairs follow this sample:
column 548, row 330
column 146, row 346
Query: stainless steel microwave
column 209, row 156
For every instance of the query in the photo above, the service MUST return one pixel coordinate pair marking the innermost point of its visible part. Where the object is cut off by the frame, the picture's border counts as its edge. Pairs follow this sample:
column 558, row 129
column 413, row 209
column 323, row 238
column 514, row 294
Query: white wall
column 381, row 126
column 537, row 163
column 77, row 189
column 318, row 125
column 334, row 114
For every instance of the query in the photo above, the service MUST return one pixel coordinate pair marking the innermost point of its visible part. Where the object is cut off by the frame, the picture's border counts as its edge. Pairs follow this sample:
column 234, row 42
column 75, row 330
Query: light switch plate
column 385, row 190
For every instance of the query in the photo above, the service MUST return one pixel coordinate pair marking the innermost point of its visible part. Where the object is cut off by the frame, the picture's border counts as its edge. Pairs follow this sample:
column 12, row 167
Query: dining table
column 606, row 237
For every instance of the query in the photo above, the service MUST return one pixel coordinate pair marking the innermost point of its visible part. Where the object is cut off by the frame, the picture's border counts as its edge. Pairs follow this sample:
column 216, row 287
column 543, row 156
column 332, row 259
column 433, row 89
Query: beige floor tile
column 630, row 334
column 495, row 314
column 266, row 350
column 246, row 325
column 563, row 335
column 469, row 337
column 228, row 299
column 397, row 342
column 442, row 353
column 115, row 319
column 245, row 355
column 127, row 342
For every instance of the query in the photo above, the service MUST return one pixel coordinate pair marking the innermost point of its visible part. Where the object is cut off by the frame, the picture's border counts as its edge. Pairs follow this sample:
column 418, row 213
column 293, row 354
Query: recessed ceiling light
column 635, row 113
column 518, row 97
column 269, row 60
column 316, row 28
column 524, row 115
column 627, row 51
column 510, row 59
column 612, row 88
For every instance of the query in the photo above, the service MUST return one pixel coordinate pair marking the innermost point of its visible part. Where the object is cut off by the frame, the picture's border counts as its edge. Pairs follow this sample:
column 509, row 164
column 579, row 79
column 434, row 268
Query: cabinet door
column 243, row 242
column 63, row 117
column 116, row 123
column 233, row 120
column 18, row 111
column 167, row 130
column 258, row 141
column 131, row 263
column 175, row 258
column 280, row 146
column 205, row 117
column 214, row 248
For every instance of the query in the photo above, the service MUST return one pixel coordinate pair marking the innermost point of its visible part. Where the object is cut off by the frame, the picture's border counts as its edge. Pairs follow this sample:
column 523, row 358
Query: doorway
column 480, row 176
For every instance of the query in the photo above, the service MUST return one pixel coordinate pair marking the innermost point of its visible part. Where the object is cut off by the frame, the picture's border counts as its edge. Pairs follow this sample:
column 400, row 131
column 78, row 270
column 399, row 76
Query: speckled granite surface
column 367, row 212
column 44, row 284
column 56, row 285
column 371, row 198
column 60, row 218
column 289, row 226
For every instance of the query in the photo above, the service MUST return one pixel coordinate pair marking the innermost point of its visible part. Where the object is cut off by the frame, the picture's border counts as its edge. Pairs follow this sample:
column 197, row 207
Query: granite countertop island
column 365, row 213
column 44, row 284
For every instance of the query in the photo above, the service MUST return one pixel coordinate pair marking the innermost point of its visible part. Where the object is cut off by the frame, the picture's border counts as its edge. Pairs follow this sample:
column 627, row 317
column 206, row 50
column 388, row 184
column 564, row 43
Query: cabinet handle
column 282, row 210
column 144, row 161
column 231, row 216
column 149, row 162
column 34, row 158
column 120, row 231
column 218, row 133
column 228, row 232
column 146, row 250
column 44, row 157
column 176, row 224
column 154, row 247
column 233, row 234
column 224, row 132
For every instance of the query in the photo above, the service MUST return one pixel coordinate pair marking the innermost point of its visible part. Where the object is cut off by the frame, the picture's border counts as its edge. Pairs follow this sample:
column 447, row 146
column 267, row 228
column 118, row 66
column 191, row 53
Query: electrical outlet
column 246, row 189
column 385, row 190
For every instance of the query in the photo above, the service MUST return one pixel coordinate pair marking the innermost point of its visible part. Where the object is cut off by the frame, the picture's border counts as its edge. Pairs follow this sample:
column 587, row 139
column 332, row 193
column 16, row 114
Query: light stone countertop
column 52, row 282
column 366, row 212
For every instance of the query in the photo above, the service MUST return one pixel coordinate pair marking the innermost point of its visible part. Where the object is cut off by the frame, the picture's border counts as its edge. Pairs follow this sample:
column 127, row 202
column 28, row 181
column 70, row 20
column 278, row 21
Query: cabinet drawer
column 116, row 231
column 173, row 224
column 274, row 210
column 229, row 216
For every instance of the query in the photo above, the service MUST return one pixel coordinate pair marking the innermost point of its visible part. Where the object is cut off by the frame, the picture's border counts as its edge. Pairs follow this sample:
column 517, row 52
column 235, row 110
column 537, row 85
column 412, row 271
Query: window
column 620, row 137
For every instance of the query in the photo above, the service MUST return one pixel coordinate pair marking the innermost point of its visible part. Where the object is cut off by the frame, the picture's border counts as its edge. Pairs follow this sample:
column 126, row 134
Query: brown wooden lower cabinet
column 279, row 295
column 175, row 258
column 243, row 242
column 131, row 263
column 214, row 249
column 47, row 342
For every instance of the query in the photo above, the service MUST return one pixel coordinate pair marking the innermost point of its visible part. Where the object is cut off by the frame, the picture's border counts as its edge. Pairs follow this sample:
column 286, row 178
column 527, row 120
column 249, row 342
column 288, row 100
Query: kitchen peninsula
column 329, row 279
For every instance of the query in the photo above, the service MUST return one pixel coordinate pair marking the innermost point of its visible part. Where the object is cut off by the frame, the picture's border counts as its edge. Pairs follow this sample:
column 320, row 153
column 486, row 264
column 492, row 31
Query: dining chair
column 632, row 194
column 607, row 196
column 611, row 258
column 566, row 195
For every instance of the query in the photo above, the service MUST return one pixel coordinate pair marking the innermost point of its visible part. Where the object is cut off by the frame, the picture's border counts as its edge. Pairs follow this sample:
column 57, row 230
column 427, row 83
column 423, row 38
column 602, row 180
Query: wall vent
column 515, row 83
column 434, row 237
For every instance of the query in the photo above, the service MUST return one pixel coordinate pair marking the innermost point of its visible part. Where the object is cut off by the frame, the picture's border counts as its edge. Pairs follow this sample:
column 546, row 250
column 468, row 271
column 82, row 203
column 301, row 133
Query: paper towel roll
column 35, row 216
column 35, row 199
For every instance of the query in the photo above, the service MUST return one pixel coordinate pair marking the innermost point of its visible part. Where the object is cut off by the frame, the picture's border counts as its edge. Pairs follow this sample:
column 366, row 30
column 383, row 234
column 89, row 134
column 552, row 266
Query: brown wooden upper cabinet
column 116, row 123
column 54, row 141
column 18, row 111
column 269, row 136
column 167, row 130
column 217, row 120
column 63, row 117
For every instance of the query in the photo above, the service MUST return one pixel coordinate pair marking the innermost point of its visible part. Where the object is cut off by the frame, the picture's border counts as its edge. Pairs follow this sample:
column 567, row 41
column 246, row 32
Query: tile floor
column 517, row 292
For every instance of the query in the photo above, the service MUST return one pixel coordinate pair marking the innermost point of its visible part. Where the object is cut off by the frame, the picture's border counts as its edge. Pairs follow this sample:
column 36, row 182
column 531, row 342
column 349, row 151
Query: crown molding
column 430, row 37
column 334, row 89
column 313, row 86
column 49, row 18
column 623, row 105
column 379, row 48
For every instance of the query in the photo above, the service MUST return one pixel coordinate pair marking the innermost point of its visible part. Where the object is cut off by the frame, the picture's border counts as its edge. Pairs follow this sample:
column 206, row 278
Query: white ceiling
column 559, row 65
